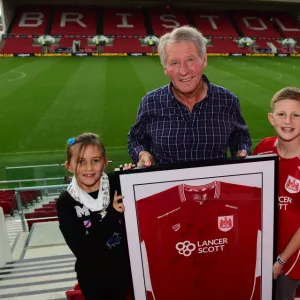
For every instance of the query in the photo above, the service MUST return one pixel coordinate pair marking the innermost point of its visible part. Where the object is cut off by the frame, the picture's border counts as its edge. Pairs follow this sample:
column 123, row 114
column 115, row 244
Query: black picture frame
column 257, row 171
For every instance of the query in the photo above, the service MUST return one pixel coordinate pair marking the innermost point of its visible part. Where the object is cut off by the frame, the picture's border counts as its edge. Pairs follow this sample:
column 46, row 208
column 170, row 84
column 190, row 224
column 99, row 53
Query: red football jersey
column 288, row 202
column 201, row 242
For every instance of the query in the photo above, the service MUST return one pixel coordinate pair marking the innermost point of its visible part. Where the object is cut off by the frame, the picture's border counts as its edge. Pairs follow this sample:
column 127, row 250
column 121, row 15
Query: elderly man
column 189, row 119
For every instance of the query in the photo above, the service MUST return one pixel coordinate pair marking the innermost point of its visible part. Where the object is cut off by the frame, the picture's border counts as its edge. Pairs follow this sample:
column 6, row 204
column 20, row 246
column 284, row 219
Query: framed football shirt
column 202, row 231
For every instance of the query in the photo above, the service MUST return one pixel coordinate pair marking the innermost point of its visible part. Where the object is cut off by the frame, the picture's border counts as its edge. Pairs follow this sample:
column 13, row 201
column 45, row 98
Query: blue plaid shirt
column 167, row 129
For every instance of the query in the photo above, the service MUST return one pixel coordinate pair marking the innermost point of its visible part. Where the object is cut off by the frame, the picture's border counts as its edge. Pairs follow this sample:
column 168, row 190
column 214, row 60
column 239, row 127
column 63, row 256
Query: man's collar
column 170, row 91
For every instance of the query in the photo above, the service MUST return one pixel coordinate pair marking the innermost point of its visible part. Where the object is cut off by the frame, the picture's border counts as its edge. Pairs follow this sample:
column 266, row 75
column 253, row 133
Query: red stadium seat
column 214, row 24
column 7, row 207
column 123, row 22
column 68, row 42
column 45, row 209
column 50, row 204
column 9, row 195
column 27, row 198
column 225, row 45
column 47, row 214
column 77, row 287
column 74, row 20
column 31, row 20
column 40, row 217
column 74, row 295
column 164, row 20
column 254, row 24
column 18, row 45
column 262, row 43
column 124, row 45
column 288, row 26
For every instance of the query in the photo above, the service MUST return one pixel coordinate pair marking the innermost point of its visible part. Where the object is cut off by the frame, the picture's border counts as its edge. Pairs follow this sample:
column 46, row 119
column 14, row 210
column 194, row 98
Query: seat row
column 81, row 20
column 46, row 213
column 27, row 198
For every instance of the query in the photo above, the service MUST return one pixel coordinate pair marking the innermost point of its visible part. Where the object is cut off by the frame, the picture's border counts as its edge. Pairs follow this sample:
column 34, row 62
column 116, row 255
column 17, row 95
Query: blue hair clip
column 71, row 141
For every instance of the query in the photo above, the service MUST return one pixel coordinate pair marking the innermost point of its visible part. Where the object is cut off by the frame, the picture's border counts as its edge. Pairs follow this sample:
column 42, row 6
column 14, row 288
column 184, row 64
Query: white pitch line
column 49, row 151
column 12, row 70
column 62, row 150
column 13, row 79
column 31, row 152
column 279, row 77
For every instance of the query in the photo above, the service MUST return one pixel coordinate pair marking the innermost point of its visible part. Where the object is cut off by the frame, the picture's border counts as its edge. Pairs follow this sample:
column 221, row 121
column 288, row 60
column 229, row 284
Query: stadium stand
column 164, row 20
column 260, row 43
column 225, row 45
column 9, row 196
column 255, row 24
column 65, row 42
column 214, row 24
column 123, row 45
column 44, row 208
column 127, row 22
column 27, row 198
column 20, row 45
column 7, row 207
column 286, row 24
column 71, row 20
column 127, row 27
column 31, row 20
column 40, row 216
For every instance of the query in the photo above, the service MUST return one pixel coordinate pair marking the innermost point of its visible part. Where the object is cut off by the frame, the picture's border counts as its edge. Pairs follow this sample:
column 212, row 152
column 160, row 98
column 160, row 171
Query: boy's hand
column 117, row 203
column 127, row 166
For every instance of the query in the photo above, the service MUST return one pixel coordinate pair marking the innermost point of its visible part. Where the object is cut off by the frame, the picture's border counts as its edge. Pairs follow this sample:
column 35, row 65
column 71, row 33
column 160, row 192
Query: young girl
column 90, row 215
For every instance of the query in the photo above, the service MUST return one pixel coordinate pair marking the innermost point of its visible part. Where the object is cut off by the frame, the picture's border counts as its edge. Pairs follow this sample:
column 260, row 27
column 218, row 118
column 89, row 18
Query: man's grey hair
column 181, row 34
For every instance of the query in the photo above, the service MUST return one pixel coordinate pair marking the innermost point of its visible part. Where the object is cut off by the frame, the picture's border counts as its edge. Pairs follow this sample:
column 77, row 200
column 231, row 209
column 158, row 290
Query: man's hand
column 241, row 153
column 128, row 166
column 145, row 159
column 277, row 269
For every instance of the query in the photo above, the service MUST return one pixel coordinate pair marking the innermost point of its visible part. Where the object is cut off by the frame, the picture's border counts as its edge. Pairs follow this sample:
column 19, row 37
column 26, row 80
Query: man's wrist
column 244, row 148
column 136, row 153
column 280, row 261
column 143, row 152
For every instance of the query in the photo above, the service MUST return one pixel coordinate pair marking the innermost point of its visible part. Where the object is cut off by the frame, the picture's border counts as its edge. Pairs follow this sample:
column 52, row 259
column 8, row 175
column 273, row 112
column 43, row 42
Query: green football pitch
column 44, row 101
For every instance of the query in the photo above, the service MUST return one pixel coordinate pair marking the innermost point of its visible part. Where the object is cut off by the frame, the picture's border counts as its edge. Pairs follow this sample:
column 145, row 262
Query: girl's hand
column 277, row 269
column 117, row 203
column 127, row 166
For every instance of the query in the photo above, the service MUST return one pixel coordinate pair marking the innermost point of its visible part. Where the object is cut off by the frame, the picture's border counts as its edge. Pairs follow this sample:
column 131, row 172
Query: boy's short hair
column 290, row 92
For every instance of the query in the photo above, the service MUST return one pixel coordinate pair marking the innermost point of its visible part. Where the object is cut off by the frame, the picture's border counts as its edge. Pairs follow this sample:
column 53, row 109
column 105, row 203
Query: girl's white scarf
column 101, row 203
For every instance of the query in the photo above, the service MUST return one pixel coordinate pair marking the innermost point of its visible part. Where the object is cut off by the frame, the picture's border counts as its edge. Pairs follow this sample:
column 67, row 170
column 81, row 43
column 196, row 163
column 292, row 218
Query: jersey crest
column 292, row 185
column 225, row 223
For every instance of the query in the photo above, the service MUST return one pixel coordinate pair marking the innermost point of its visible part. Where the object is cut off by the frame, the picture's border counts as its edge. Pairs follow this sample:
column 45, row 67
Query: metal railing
column 20, row 181
column 33, row 188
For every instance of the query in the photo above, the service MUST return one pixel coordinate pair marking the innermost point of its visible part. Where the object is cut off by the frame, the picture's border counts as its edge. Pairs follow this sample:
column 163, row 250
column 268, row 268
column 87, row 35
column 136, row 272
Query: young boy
column 285, row 118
